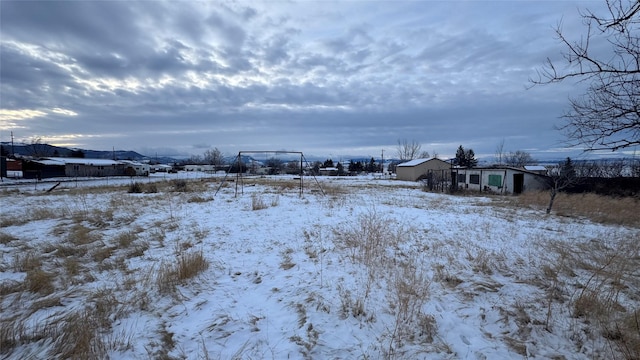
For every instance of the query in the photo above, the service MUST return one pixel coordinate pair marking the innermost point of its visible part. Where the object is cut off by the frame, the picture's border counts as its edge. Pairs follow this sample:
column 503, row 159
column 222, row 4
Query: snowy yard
column 372, row 269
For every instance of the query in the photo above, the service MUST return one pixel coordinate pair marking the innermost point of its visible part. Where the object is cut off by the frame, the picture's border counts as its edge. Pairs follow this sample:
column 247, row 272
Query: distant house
column 161, row 168
column 329, row 171
column 75, row 167
column 134, row 168
column 71, row 167
column 203, row 167
column 417, row 169
column 42, row 169
column 503, row 180
column 539, row 169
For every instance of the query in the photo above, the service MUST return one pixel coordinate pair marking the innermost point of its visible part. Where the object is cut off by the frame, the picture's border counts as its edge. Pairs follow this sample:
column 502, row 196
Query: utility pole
column 12, row 151
column 382, row 163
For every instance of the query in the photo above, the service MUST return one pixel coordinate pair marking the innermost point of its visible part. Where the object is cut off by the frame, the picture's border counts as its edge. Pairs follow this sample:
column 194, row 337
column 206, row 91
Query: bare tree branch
column 607, row 116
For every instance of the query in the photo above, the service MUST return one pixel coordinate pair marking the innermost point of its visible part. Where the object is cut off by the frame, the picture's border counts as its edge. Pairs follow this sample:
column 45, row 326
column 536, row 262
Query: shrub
column 135, row 188
column 180, row 185
column 151, row 188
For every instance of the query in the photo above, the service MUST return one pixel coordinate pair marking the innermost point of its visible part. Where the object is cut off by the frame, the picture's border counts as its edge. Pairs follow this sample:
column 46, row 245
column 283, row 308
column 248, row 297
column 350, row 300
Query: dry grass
column 187, row 266
column 180, row 185
column 82, row 235
column 257, row 202
column 287, row 261
column 27, row 261
column 598, row 208
column 135, row 188
column 40, row 281
column 80, row 337
column 368, row 240
column 199, row 199
column 125, row 239
column 378, row 243
column 334, row 190
column 594, row 280
column 603, row 276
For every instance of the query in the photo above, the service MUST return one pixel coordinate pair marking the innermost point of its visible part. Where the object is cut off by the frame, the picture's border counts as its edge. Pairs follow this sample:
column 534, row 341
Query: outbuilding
column 42, row 169
column 502, row 180
column 417, row 169
column 75, row 167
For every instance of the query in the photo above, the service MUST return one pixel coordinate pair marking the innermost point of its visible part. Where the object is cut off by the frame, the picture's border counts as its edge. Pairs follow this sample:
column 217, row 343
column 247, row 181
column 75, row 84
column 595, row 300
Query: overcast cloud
column 328, row 78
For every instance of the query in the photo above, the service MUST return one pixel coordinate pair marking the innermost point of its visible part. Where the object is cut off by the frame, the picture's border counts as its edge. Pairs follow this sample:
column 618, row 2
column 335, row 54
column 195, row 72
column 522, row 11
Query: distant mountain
column 46, row 150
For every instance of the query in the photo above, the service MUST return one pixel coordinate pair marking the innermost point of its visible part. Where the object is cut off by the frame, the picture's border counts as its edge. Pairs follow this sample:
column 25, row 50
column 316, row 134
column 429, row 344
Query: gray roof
column 416, row 162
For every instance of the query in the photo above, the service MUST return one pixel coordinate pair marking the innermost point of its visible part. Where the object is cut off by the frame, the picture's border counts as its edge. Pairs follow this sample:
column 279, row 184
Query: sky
column 328, row 78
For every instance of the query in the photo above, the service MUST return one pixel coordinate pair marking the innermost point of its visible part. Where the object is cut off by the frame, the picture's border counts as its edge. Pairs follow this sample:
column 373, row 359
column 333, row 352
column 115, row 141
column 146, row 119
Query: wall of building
column 413, row 173
column 498, row 180
column 74, row 170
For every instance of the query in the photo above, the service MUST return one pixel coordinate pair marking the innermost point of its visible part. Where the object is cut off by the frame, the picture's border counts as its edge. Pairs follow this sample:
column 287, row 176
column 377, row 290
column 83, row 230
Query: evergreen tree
column 465, row 158
column 372, row 166
column 352, row 166
column 460, row 158
column 328, row 163
column 340, row 168
column 76, row 154
column 470, row 158
column 567, row 169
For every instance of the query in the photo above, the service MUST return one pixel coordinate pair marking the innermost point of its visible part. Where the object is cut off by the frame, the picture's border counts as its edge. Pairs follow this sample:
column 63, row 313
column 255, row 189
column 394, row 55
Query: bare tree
column 36, row 148
column 519, row 158
column 275, row 165
column 607, row 116
column 214, row 157
column 559, row 178
column 195, row 160
column 500, row 152
column 409, row 150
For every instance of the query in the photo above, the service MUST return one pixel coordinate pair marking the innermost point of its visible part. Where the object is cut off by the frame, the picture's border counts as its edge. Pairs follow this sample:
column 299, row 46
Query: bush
column 135, row 188
column 180, row 185
column 152, row 188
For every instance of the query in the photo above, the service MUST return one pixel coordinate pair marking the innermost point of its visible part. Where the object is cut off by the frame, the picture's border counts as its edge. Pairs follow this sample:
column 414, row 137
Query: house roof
column 501, row 168
column 49, row 162
column 79, row 161
column 129, row 162
column 416, row 162
column 535, row 168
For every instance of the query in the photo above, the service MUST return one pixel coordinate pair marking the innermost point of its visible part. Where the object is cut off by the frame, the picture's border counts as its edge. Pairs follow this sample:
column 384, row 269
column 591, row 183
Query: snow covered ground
column 371, row 269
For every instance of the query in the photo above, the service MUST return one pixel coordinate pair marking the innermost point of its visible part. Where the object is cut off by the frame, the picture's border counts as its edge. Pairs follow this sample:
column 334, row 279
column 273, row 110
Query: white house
column 203, row 168
column 503, row 180
column 136, row 168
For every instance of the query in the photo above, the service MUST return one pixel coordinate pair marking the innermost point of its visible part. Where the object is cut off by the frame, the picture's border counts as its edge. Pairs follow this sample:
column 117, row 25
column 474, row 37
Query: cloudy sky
column 328, row 78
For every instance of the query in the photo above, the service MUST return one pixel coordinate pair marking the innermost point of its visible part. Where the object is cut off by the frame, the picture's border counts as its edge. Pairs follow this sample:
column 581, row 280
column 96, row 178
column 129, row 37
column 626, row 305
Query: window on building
column 495, row 180
column 462, row 178
column 474, row 179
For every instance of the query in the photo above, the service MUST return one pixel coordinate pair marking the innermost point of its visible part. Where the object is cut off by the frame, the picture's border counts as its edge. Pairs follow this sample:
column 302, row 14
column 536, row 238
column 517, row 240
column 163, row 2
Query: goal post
column 240, row 168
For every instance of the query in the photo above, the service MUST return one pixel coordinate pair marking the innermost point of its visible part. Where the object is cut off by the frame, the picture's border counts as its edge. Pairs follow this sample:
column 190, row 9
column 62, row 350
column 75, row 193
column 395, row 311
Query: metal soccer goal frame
column 240, row 174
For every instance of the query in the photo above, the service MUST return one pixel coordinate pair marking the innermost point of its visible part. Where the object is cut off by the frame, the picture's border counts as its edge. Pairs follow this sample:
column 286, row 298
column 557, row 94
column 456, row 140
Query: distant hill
column 46, row 150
